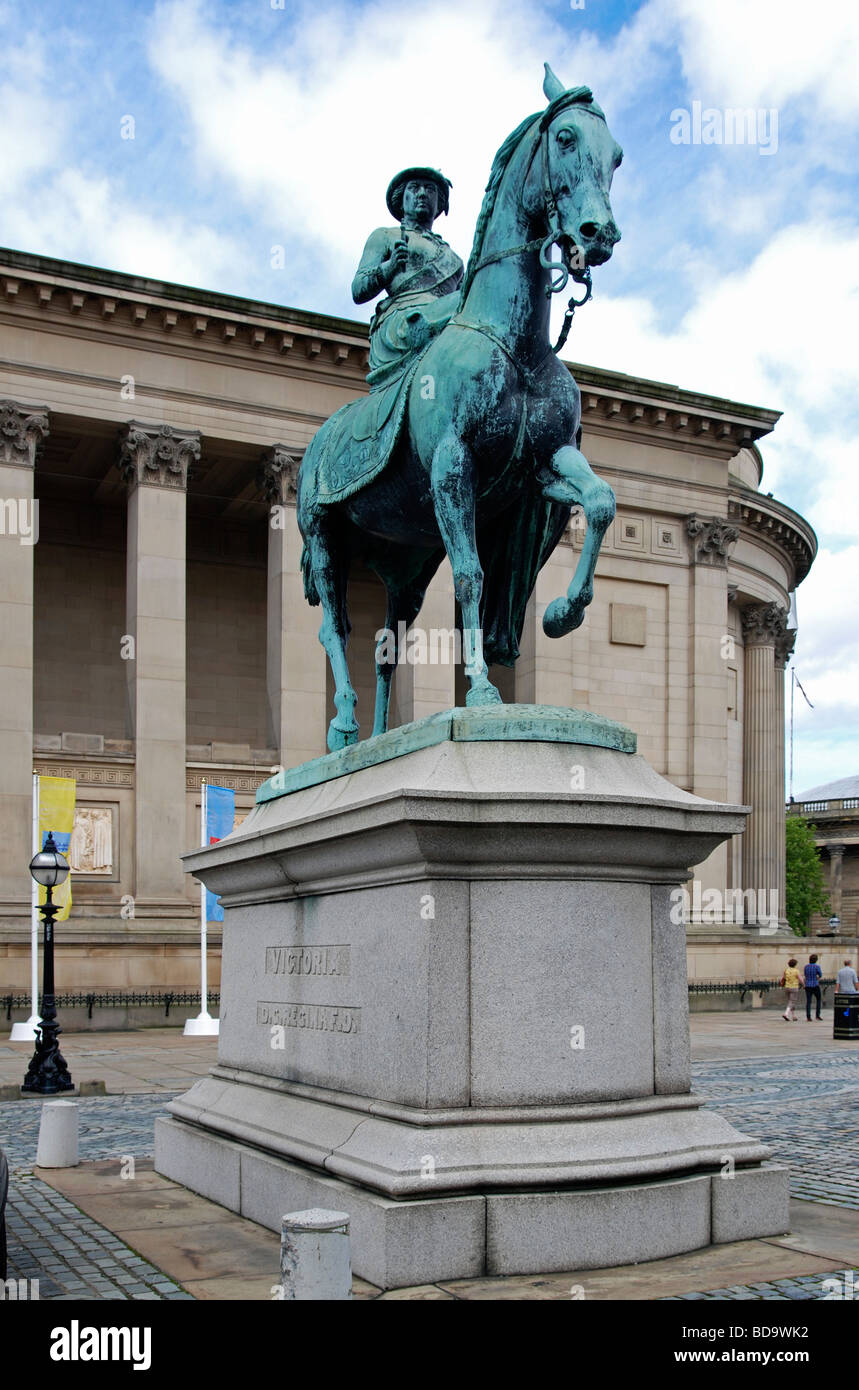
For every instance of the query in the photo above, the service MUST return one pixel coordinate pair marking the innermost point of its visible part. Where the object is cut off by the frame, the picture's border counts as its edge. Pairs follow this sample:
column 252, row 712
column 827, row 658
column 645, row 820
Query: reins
column 581, row 277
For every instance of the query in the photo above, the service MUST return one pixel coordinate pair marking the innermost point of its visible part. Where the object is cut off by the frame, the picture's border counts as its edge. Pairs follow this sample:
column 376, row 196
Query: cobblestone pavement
column 49, row 1239
column 804, row 1106
column 802, row 1287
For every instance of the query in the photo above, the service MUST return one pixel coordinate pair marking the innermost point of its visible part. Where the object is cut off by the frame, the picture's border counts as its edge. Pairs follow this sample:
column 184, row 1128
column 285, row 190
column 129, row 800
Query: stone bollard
column 58, row 1135
column 315, row 1260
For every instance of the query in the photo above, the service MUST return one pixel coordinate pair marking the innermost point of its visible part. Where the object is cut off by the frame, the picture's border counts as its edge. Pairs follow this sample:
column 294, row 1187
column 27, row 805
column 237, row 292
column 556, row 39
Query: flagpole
column 203, row 1026
column 26, row 1032
column 792, row 688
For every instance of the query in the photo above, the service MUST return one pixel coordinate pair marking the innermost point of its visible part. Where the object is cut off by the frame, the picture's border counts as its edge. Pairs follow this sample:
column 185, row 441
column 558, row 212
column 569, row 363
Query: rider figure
column 421, row 273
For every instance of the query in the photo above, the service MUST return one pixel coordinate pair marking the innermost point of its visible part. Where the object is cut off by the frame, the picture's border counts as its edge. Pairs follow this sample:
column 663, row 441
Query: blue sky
column 258, row 127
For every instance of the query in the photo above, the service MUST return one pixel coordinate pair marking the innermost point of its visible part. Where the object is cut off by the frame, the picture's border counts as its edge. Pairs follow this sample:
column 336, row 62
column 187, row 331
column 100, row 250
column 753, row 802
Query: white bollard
column 315, row 1260
column 58, row 1135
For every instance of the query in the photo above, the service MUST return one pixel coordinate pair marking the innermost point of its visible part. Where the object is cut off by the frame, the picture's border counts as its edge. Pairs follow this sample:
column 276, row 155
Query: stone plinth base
column 400, row 1243
column 454, row 1006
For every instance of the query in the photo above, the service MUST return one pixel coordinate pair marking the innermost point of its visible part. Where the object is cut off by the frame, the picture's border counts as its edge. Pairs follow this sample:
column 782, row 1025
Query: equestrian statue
column 468, row 441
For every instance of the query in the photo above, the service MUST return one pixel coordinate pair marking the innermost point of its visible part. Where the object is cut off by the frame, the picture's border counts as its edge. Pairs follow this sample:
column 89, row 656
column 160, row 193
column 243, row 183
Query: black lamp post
column 48, row 1073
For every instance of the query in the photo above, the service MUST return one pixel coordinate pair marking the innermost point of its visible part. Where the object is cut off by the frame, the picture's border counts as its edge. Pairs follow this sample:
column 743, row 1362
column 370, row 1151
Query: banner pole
column 203, row 1026
column 204, row 1003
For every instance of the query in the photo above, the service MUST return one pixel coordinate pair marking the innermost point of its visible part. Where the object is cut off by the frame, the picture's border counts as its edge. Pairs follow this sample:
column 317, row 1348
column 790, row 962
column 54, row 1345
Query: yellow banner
column 57, row 815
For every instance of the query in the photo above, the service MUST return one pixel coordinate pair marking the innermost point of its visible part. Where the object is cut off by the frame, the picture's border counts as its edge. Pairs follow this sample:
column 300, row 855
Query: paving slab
column 717, row 1266
column 214, row 1254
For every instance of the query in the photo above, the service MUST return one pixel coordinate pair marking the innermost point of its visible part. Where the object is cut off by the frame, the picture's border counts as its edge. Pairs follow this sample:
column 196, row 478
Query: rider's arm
column 376, row 268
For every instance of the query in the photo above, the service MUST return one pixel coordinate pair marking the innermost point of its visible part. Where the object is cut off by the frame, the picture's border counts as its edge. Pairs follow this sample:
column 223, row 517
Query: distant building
column 158, row 427
column 833, row 809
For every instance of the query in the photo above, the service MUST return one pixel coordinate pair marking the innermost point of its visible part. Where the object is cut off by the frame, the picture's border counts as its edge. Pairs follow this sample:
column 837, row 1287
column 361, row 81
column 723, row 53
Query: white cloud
column 770, row 51
column 780, row 333
column 310, row 133
column 296, row 123
column 52, row 207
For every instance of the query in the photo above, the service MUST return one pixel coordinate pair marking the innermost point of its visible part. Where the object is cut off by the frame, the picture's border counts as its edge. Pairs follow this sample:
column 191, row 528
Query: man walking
column 846, row 980
column 812, row 975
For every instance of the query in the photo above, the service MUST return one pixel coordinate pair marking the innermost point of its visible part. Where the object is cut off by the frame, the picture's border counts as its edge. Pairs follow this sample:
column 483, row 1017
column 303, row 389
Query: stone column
column 429, row 687
column 22, row 428
column 785, row 642
column 711, row 541
column 554, row 670
column 836, row 864
column 762, row 626
column 154, row 460
column 295, row 659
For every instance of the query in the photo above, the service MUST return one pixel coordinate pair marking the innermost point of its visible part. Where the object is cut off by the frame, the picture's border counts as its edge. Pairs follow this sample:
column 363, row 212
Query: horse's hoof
column 483, row 694
column 341, row 738
column 556, row 618
column 563, row 615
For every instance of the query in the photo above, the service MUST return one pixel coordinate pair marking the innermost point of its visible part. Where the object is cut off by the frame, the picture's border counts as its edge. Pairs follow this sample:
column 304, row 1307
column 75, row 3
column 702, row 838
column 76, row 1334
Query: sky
column 246, row 146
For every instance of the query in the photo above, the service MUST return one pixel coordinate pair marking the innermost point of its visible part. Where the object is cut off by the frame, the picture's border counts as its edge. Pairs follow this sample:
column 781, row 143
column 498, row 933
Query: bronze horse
column 486, row 467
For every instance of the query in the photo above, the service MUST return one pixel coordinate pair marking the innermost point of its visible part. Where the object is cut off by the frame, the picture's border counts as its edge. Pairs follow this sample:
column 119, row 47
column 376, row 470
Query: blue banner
column 220, row 817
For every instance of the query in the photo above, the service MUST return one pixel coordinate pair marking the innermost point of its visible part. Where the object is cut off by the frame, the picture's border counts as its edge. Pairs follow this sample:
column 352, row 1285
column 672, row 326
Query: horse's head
column 570, row 178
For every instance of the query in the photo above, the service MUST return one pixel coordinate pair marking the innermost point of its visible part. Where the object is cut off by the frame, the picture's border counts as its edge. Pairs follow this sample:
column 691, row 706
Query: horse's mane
column 499, row 165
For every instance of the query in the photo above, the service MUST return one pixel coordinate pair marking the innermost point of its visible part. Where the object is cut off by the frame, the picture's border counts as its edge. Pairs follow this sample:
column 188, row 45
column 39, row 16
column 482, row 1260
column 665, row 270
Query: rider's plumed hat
column 396, row 188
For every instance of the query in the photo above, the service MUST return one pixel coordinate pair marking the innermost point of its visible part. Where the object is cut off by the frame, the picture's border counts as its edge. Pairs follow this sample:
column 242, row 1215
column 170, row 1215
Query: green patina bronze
column 468, row 443
column 519, row 723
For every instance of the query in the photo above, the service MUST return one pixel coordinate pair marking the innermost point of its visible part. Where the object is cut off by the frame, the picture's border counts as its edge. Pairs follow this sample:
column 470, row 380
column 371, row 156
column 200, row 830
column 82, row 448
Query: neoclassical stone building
column 833, row 809
column 159, row 429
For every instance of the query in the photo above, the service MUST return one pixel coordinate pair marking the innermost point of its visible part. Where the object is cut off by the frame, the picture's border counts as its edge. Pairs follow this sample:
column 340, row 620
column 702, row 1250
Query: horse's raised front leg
column 453, row 484
column 329, row 577
column 569, row 478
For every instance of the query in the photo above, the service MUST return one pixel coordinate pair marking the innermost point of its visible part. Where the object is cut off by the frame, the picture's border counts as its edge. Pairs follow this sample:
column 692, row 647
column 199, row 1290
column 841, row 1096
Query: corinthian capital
column 784, row 644
column 764, row 625
column 712, row 539
column 157, row 454
column 277, row 476
column 22, row 429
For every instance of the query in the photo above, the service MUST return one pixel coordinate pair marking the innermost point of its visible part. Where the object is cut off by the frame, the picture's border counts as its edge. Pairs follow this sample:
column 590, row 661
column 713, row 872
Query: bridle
column 565, row 272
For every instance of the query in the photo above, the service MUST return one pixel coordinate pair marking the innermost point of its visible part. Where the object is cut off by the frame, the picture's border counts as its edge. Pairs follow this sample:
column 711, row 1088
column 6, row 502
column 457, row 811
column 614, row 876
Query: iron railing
column 744, row 987
column 113, row 999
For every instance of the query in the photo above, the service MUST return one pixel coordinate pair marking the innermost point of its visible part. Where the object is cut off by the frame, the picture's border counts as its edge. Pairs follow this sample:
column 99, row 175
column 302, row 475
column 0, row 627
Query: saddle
column 356, row 443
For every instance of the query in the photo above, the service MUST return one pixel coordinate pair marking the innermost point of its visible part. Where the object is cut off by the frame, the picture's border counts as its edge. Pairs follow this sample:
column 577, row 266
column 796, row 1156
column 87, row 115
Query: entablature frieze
column 87, row 774
column 247, row 780
column 612, row 403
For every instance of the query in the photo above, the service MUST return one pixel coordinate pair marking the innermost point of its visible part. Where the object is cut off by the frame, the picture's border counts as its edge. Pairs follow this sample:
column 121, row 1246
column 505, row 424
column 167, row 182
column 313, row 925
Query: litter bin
column 846, row 1016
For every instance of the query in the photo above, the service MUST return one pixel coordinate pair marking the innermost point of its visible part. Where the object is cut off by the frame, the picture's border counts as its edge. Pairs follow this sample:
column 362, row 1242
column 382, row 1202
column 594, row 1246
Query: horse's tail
column 311, row 593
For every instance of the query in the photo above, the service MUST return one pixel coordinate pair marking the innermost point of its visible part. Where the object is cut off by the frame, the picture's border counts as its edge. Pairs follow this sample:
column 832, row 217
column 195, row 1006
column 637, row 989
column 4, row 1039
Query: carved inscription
column 307, row 960
column 323, row 1018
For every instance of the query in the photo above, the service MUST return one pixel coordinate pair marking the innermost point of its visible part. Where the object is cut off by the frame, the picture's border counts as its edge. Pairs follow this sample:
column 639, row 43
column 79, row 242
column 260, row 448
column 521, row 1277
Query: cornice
column 675, row 419
column 770, row 520
column 128, row 315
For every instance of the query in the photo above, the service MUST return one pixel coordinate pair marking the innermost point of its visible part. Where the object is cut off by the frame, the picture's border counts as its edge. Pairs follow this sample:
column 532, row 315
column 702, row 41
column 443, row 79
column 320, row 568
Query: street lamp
column 48, row 1073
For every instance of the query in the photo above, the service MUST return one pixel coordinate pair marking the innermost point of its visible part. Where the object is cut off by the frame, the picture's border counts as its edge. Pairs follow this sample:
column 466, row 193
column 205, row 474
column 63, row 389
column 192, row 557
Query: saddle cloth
column 354, row 445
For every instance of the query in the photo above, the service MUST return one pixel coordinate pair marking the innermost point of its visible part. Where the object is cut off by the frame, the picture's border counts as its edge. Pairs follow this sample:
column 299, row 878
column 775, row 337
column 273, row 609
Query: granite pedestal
column 454, row 1006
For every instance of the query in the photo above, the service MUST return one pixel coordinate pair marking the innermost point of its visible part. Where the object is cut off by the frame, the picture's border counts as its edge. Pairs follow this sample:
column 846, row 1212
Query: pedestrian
column 812, row 974
column 846, row 981
column 790, row 981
